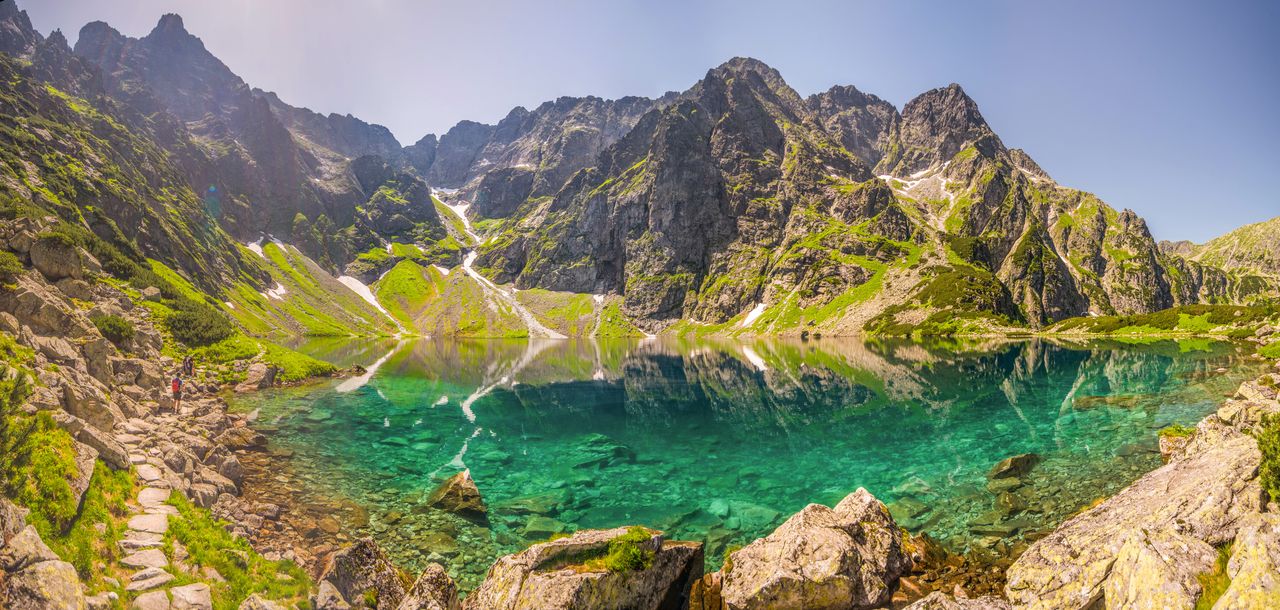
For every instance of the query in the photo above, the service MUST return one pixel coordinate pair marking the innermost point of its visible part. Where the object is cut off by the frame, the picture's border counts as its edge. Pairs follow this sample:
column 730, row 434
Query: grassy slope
column 314, row 304
column 1252, row 248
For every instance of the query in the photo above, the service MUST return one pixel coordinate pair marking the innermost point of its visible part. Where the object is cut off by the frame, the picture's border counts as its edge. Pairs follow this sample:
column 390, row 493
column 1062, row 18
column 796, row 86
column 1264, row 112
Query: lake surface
column 722, row 440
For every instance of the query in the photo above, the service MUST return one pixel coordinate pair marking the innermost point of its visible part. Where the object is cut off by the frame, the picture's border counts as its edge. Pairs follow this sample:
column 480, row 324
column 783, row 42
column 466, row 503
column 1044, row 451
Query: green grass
column 1176, row 431
column 115, row 328
column 1268, row 437
column 295, row 366
column 1270, row 351
column 90, row 543
column 1216, row 581
column 626, row 553
column 210, row 544
column 42, row 483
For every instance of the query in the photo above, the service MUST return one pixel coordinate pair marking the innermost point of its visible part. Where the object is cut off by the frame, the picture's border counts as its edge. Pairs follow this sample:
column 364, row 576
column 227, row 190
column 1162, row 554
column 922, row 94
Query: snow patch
column 359, row 288
column 276, row 293
column 442, row 270
column 599, row 298
column 754, row 359
column 752, row 315
column 230, row 305
column 443, row 400
column 256, row 247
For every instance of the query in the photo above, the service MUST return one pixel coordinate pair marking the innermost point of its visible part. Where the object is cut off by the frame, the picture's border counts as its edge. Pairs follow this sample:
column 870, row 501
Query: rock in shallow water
column 459, row 495
column 850, row 556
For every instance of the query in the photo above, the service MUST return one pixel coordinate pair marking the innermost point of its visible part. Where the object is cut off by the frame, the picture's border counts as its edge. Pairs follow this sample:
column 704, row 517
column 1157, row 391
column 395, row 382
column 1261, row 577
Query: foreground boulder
column 34, row 578
column 841, row 558
column 433, row 590
column 363, row 572
column 459, row 495
column 1158, row 569
column 557, row 575
column 941, row 601
column 1254, row 567
column 1204, row 497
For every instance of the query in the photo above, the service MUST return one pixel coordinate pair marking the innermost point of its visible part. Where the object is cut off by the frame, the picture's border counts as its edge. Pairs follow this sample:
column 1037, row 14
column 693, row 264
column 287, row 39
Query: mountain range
column 737, row 206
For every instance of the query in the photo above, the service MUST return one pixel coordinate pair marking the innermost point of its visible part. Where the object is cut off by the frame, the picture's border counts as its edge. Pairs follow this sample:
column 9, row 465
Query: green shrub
column 1268, row 436
column 10, row 266
column 1177, row 430
column 42, row 479
column 115, row 328
column 295, row 366
column 197, row 324
column 15, row 430
column 1271, row 351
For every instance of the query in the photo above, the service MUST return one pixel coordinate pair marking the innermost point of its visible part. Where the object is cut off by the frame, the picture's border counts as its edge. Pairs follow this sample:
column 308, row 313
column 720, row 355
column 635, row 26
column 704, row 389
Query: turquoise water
column 720, row 441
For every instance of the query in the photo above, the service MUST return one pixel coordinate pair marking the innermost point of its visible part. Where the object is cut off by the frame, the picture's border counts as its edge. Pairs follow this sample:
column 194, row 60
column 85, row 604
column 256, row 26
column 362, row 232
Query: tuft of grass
column 10, row 266
column 1216, row 581
column 91, row 541
column 1177, row 431
column 1271, row 351
column 209, row 544
column 628, row 552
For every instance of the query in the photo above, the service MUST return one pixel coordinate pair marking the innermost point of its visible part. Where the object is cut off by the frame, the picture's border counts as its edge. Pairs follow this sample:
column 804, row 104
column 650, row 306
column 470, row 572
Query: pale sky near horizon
column 1168, row 108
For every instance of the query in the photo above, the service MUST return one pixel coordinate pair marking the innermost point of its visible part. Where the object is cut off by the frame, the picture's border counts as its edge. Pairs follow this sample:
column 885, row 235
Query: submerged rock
column 552, row 576
column 850, row 556
column 1016, row 466
column 1203, row 496
column 459, row 495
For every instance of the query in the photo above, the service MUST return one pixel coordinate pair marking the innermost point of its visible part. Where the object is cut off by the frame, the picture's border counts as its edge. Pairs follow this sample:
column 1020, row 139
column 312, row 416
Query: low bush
column 1271, row 351
column 628, row 552
column 10, row 266
column 116, row 329
column 1177, row 430
column 197, row 324
column 1268, row 436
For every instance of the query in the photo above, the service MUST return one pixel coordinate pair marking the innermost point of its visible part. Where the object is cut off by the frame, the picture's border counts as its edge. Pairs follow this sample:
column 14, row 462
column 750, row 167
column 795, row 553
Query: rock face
column 1158, row 569
column 361, row 568
column 1254, row 566
column 822, row 558
column 941, row 601
column 34, row 578
column 433, row 590
column 545, row 577
column 459, row 495
column 1203, row 497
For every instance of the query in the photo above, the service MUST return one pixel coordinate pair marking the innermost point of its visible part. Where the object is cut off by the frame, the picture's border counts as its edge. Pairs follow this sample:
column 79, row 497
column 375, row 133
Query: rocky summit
column 205, row 291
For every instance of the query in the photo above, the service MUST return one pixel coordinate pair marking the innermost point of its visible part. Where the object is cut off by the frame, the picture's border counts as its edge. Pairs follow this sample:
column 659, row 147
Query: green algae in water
column 721, row 441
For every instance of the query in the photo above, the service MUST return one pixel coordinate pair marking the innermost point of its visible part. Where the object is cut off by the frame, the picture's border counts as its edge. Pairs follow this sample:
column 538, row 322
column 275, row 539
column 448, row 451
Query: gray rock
column 154, row 524
column 13, row 519
column 109, row 449
column 195, row 596
column 24, row 550
column 86, row 457
column 1157, row 570
column 257, row 602
column 941, row 601
column 459, row 495
column 148, row 579
column 328, row 597
column 1254, row 566
column 433, row 590
column 147, row 558
column 363, row 566
column 1203, row 496
column 821, row 558
column 152, row 600
column 533, row 578
column 56, row 260
column 48, row 585
column 259, row 376
column 1014, row 467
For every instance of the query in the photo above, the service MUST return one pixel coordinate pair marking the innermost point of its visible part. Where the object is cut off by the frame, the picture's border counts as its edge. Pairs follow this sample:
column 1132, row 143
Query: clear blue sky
column 1169, row 108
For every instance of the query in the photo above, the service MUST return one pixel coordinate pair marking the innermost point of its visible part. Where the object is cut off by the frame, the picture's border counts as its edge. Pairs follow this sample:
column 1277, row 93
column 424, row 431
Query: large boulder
column 363, row 571
column 13, row 519
column 1203, row 496
column 25, row 550
column 1254, row 567
column 841, row 558
column 257, row 602
column 459, row 495
column 109, row 449
column 86, row 456
column 1158, row 569
column 433, row 590
column 259, row 376
column 941, row 601
column 56, row 258
column 1014, row 467
column 46, row 585
column 554, row 575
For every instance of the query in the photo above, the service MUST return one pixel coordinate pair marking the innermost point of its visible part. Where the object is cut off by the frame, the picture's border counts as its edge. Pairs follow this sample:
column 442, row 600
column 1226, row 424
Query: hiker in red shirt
column 177, row 393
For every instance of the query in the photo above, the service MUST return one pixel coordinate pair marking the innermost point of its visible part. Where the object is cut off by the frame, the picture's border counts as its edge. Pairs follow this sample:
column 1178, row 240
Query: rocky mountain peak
column 17, row 36
column 860, row 121
column 170, row 26
column 935, row 126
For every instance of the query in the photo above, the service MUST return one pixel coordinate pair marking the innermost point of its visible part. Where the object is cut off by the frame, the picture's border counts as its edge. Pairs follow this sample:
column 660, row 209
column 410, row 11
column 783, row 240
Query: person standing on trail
column 188, row 366
column 177, row 393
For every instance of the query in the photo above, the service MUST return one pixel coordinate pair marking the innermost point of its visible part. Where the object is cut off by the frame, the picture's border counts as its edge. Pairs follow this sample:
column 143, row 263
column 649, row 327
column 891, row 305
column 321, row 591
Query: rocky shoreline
column 1145, row 546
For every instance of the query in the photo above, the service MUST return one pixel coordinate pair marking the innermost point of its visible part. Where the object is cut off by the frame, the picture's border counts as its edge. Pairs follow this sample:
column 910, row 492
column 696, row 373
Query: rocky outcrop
column 941, row 601
column 552, row 576
column 34, row 578
column 1254, row 566
column 361, row 572
column 433, row 590
column 837, row 558
column 1157, row 569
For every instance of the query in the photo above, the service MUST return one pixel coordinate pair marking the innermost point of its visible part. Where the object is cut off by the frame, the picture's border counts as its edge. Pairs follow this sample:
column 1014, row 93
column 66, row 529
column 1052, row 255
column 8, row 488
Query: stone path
column 143, row 543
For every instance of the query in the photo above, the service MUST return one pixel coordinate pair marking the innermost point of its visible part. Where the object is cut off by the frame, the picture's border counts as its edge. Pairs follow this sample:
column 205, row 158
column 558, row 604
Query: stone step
column 195, row 596
column 154, row 600
column 148, row 579
column 162, row 509
column 146, row 558
column 133, row 543
column 153, row 496
column 155, row 524
column 148, row 473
